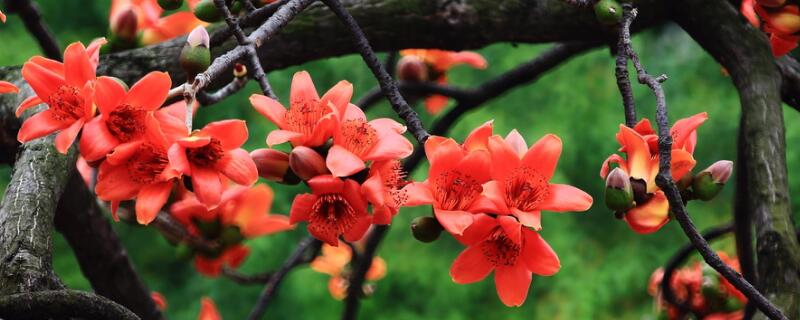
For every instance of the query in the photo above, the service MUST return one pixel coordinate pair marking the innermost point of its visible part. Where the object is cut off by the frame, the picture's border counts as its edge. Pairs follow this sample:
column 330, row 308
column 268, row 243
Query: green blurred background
column 605, row 266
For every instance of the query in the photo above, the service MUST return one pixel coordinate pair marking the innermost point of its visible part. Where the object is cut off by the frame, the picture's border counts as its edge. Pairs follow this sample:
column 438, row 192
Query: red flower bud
column 412, row 68
column 306, row 163
column 720, row 171
column 272, row 164
column 198, row 37
column 709, row 182
column 124, row 25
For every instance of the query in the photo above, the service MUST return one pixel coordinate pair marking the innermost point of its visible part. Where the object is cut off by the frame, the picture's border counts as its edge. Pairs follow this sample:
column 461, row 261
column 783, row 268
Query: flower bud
column 170, row 4
column 272, row 164
column 124, row 25
column 619, row 193
column 306, row 163
column 196, row 56
column 239, row 70
column 709, row 182
column 412, row 69
column 426, row 229
column 205, row 10
column 608, row 12
column 771, row 3
column 231, row 235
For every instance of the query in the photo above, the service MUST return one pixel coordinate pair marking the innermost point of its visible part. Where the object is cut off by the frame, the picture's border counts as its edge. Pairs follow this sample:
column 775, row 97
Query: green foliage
column 605, row 266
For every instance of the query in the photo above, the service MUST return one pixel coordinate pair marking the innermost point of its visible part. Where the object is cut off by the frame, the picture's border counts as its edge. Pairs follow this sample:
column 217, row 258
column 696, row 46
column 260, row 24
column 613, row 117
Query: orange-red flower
column 356, row 141
column 159, row 300
column 210, row 154
column 153, row 27
column 334, row 208
column 383, row 189
column 231, row 257
column 438, row 62
column 455, row 178
column 512, row 251
column 8, row 87
column 641, row 163
column 208, row 310
column 2, row 17
column 335, row 261
column 520, row 181
column 68, row 90
column 782, row 23
column 139, row 170
column 310, row 120
column 123, row 115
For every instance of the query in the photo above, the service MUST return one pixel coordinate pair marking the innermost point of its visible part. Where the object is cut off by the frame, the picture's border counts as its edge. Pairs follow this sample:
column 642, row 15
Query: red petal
column 531, row 219
column 681, row 163
column 638, row 152
column 114, row 183
column 357, row 231
column 43, row 81
column 373, row 189
column 543, row 155
column 470, row 266
column 108, row 94
column 683, row 130
column 478, row 138
column 339, row 96
column 40, row 125
column 511, row 227
column 343, row 163
column 8, row 87
column 178, row 159
column 436, row 103
column 301, row 207
column 232, row 134
column 66, row 137
column 150, row 200
column 538, row 256
column 28, row 103
column 150, row 92
column 444, row 157
column 650, row 216
column 512, row 284
column 302, row 89
column 418, row 194
column 454, row 222
column 473, row 59
column 96, row 140
column 391, row 144
column 207, row 186
column 517, row 143
column 493, row 191
column 326, row 184
column 476, row 164
column 123, row 152
column 239, row 167
column 269, row 108
column 208, row 311
column 566, row 198
column 280, row 136
column 480, row 228
column 503, row 153
column 266, row 224
column 78, row 69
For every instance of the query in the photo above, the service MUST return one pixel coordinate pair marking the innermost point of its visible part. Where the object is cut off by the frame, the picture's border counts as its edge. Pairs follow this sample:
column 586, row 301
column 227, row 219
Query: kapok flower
column 231, row 257
column 780, row 20
column 212, row 153
column 334, row 208
column 153, row 27
column 139, row 170
column 512, row 251
column 335, row 262
column 383, row 189
column 2, row 17
column 68, row 90
column 438, row 62
column 651, row 209
column 455, row 178
column 310, row 120
column 356, row 141
column 520, row 183
column 208, row 310
column 159, row 300
column 123, row 115
column 8, row 87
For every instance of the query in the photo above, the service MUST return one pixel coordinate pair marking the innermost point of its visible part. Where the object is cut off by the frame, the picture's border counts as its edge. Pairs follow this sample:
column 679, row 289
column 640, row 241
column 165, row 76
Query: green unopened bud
column 426, row 228
column 170, row 4
column 184, row 252
column 196, row 56
column 231, row 235
column 709, row 182
column 205, row 10
column 608, row 12
column 619, row 193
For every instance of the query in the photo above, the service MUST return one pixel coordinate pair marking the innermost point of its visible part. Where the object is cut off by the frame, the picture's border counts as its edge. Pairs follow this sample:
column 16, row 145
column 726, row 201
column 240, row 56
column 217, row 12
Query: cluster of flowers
column 495, row 210
column 778, row 18
column 631, row 188
column 703, row 290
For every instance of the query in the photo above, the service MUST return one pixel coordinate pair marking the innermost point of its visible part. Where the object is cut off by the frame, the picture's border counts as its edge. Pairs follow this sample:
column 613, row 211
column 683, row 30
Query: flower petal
column 302, row 90
column 280, row 136
column 478, row 138
column 96, row 140
column 480, row 228
column 114, row 183
column 436, row 103
column 538, row 256
column 150, row 92
column 454, row 222
column 543, row 155
column 232, row 134
column 8, row 87
column 681, row 163
column 66, row 137
column 301, row 207
column 339, row 96
column 43, row 81
column 517, row 142
column 207, row 185
column 108, row 94
column 502, row 152
column 649, row 216
column 512, row 284
column 470, row 266
column 178, row 160
column 269, row 108
column 638, row 152
column 343, row 163
column 78, row 69
column 566, row 198
column 476, row 164
column 326, row 184
column 150, row 200
column 531, row 219
column 418, row 194
column 684, row 129
column 40, row 125
column 29, row 102
column 239, row 167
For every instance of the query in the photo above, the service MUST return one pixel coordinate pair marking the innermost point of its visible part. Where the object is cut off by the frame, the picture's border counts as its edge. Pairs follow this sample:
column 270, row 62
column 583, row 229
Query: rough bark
column 26, row 213
column 743, row 51
column 100, row 254
column 61, row 304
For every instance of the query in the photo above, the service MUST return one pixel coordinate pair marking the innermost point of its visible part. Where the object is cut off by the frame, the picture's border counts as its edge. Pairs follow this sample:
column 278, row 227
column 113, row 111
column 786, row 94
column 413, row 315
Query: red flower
column 8, row 87
column 334, row 208
column 2, row 17
column 159, row 300
column 231, row 257
column 781, row 23
column 520, row 182
column 383, row 189
column 153, row 27
column 212, row 153
column 139, row 170
column 334, row 262
column 309, row 121
column 357, row 141
column 123, row 115
column 68, row 90
column 208, row 311
column 438, row 63
column 455, row 179
column 513, row 252
column 641, row 148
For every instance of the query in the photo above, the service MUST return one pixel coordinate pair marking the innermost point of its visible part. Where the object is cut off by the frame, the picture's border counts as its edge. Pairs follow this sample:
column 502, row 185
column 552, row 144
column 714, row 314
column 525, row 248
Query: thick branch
column 61, row 304
column 744, row 52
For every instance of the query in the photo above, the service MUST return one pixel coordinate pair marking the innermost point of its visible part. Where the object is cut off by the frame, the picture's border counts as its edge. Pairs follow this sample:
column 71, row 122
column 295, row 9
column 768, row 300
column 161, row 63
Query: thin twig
column 31, row 16
column 235, row 276
column 297, row 258
column 188, row 97
column 205, row 98
column 176, row 232
column 360, row 269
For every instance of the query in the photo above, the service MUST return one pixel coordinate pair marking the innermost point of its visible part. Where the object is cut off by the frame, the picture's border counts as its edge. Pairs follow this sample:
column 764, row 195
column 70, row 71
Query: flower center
column 66, row 103
column 207, row 155
column 499, row 249
column 332, row 214
column 526, row 189
column 126, row 122
column 456, row 190
column 146, row 164
column 358, row 136
column 393, row 181
column 303, row 115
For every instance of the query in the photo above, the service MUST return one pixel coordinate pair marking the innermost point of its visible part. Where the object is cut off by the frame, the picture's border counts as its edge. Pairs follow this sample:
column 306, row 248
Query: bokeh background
column 605, row 266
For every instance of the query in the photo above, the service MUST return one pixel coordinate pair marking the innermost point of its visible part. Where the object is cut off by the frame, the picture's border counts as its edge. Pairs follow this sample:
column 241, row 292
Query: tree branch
column 29, row 12
column 61, row 304
column 360, row 268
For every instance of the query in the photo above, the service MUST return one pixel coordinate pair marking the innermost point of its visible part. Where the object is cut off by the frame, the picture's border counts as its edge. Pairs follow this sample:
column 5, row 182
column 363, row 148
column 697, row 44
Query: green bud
column 426, row 229
column 236, row 7
column 196, row 56
column 231, row 235
column 184, row 252
column 608, row 12
column 205, row 10
column 709, row 182
column 170, row 4
column 619, row 193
